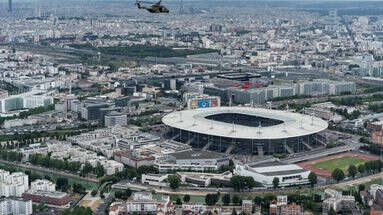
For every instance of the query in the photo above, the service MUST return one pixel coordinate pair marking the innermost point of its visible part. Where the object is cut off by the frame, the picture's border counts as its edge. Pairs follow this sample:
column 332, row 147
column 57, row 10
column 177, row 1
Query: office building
column 92, row 111
column 115, row 118
column 27, row 100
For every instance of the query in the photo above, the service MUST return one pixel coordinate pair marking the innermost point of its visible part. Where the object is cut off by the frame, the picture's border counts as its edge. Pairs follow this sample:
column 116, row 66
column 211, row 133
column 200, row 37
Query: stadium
column 246, row 130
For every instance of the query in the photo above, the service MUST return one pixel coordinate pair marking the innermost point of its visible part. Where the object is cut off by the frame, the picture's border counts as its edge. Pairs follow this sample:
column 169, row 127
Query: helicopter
column 155, row 7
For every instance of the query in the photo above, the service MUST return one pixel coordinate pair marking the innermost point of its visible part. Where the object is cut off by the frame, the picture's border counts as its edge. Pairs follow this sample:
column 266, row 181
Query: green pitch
column 341, row 163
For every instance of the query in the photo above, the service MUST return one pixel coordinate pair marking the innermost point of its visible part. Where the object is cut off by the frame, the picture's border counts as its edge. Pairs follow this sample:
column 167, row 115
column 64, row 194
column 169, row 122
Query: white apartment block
column 15, row 206
column 43, row 185
column 155, row 179
column 14, row 184
column 110, row 166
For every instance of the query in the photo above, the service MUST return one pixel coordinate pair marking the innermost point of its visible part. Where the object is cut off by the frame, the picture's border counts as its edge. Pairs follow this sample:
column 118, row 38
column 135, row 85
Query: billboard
column 214, row 103
column 194, row 104
column 206, row 102
column 203, row 103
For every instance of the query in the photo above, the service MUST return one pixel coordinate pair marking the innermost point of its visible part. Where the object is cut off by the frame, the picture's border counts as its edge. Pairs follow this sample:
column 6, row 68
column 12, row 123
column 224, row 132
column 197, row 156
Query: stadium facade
column 246, row 130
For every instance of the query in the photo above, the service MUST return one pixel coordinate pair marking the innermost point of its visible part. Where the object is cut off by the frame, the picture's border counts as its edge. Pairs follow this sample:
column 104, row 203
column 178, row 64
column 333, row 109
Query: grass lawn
column 341, row 163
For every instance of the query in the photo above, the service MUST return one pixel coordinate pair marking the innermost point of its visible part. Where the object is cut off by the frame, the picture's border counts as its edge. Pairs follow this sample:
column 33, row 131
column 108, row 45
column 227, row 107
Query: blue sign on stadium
column 203, row 103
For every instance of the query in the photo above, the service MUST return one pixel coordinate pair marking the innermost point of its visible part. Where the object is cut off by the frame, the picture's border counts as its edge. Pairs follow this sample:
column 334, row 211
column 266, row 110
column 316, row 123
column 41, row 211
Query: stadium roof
column 294, row 124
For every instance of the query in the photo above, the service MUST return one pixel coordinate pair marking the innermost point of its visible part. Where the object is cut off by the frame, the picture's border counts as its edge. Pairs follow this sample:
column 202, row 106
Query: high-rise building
column 10, row 9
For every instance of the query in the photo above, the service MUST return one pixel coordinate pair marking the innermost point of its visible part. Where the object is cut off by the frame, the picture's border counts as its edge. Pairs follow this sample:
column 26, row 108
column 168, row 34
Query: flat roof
column 267, row 164
column 294, row 124
column 284, row 172
column 191, row 154
column 276, row 168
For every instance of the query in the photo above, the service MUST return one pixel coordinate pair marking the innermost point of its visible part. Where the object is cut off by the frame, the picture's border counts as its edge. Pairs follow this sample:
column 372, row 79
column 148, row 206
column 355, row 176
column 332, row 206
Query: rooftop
column 292, row 124
column 190, row 154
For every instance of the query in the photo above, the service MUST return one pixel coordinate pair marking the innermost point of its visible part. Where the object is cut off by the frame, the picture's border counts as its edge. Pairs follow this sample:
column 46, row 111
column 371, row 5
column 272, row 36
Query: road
column 358, row 181
column 198, row 191
column 51, row 171
column 203, row 191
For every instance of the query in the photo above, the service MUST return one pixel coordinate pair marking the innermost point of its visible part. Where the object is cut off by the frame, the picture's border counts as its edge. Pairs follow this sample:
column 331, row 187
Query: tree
column 338, row 174
column 240, row 183
column 237, row 183
column 236, row 200
column 124, row 195
column 226, row 199
column 86, row 169
column 361, row 169
column 99, row 170
column 93, row 193
column 258, row 200
column 174, row 181
column 352, row 171
column 276, row 182
column 186, row 198
column 331, row 211
column 361, row 187
column 62, row 184
column 234, row 212
column 178, row 201
column 249, row 182
column 78, row 188
column 78, row 210
column 211, row 199
column 313, row 178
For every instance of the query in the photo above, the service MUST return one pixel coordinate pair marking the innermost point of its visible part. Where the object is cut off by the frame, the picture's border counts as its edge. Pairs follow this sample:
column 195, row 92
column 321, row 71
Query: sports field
column 341, row 163
column 325, row 165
